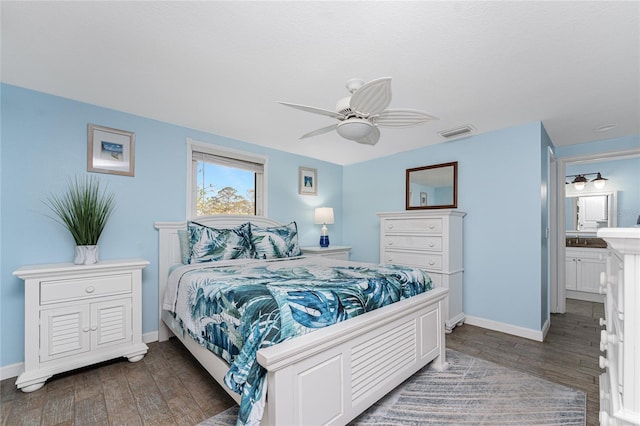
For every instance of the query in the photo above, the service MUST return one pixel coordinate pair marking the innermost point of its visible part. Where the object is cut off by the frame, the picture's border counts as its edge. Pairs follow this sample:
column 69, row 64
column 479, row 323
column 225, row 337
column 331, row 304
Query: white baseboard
column 527, row 333
column 545, row 328
column 14, row 370
column 149, row 337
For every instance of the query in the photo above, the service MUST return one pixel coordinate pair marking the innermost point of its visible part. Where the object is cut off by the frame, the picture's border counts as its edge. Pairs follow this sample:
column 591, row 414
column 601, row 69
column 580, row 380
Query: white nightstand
column 332, row 252
column 78, row 315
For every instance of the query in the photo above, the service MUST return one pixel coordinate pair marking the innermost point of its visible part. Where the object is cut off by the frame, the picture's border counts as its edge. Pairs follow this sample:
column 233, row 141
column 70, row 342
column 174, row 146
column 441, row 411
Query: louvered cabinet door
column 64, row 332
column 110, row 323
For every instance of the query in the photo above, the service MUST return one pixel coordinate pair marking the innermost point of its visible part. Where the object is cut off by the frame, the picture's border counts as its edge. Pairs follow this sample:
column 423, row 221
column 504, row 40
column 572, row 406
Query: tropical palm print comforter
column 234, row 308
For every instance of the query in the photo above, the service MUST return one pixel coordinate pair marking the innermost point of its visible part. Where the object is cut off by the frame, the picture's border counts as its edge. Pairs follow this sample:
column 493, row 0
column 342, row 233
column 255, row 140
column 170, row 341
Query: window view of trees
column 224, row 190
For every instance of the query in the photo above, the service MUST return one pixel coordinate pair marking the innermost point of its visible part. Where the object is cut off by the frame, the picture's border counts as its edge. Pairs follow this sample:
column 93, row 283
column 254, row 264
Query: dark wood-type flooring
column 168, row 387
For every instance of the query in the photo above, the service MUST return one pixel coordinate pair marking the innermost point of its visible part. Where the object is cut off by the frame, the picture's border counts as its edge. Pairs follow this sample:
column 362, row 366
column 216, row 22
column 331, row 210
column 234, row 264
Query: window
column 224, row 181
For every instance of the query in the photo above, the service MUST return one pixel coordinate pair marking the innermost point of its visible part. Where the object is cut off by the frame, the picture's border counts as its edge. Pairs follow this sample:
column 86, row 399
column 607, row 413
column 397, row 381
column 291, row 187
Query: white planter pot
column 86, row 255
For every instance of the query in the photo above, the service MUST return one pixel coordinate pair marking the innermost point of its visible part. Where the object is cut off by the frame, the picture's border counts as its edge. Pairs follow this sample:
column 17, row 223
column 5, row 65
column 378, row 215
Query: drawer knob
column 90, row 289
column 389, row 259
column 607, row 337
column 389, row 243
column 432, row 226
column 85, row 329
column 431, row 245
column 390, row 226
column 431, row 262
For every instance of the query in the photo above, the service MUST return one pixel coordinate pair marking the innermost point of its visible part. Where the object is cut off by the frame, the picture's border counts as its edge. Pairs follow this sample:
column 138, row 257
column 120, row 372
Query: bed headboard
column 169, row 249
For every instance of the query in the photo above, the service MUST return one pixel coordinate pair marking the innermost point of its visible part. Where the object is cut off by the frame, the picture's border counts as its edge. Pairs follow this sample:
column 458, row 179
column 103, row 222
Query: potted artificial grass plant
column 84, row 210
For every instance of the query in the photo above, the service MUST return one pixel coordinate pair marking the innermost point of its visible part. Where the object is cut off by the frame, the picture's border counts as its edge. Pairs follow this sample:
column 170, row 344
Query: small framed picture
column 308, row 181
column 110, row 151
column 423, row 198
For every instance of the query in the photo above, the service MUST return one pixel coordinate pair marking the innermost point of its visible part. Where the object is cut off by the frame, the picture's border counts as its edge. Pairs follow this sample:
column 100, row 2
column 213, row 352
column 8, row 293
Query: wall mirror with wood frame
column 432, row 187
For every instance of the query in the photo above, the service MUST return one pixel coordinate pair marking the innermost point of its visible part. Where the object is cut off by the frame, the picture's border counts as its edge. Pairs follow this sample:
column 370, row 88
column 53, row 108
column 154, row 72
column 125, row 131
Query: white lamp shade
column 323, row 215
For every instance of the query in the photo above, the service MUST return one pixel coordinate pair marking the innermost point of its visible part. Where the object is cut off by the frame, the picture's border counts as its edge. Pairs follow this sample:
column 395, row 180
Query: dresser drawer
column 82, row 288
column 429, row 261
column 414, row 225
column 421, row 242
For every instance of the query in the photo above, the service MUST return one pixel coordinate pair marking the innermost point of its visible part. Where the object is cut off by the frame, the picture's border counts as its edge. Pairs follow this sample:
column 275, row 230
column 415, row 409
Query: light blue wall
column 499, row 187
column 44, row 141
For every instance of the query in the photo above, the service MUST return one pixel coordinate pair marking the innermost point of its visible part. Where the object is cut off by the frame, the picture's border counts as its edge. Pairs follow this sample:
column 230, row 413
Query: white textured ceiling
column 221, row 67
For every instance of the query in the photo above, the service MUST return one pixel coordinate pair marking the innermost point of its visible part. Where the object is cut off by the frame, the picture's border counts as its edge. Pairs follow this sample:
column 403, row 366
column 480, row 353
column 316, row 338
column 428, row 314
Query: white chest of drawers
column 620, row 383
column 77, row 315
column 431, row 240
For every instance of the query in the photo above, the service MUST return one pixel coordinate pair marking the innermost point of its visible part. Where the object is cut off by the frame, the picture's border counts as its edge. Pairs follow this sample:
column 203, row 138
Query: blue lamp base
column 324, row 241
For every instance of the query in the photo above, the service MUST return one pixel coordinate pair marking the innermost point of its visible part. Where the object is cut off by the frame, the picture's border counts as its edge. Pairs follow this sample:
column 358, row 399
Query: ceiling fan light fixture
column 354, row 128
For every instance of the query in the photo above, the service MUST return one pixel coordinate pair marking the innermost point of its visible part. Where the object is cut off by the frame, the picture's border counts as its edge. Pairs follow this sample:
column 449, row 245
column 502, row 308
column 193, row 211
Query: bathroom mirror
column 432, row 187
column 589, row 212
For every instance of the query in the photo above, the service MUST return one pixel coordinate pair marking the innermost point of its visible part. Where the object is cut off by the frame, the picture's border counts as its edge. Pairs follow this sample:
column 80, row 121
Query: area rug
column 471, row 391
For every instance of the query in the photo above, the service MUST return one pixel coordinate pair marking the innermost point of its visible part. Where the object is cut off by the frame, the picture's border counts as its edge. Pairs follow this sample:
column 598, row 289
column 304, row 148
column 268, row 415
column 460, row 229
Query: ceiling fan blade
column 372, row 138
column 373, row 97
column 314, row 110
column 320, row 131
column 402, row 118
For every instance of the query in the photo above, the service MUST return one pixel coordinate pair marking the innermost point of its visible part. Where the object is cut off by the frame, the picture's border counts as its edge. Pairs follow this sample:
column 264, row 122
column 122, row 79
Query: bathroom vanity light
column 580, row 181
column 324, row 216
column 599, row 182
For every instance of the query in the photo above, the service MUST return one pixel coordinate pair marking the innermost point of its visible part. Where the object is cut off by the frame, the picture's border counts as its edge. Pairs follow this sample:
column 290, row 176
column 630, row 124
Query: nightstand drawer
column 421, row 242
column 82, row 288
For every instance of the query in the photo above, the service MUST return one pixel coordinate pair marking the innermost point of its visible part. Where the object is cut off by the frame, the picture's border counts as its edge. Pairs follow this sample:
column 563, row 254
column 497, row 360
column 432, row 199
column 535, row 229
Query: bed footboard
column 332, row 375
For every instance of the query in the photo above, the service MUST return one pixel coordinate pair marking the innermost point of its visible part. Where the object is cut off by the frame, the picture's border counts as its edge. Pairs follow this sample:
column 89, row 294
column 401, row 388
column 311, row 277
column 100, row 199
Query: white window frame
column 207, row 148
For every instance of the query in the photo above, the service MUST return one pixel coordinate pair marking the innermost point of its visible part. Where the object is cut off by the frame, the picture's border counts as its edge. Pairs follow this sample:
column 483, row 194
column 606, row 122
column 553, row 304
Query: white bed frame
column 332, row 375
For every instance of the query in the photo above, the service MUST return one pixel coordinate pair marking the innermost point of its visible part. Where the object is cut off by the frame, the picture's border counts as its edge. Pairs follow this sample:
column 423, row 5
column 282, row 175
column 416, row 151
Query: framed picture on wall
column 110, row 151
column 308, row 181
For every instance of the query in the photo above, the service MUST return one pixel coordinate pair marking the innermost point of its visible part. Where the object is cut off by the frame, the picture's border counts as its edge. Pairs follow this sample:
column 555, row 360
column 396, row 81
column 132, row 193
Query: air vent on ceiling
column 456, row 132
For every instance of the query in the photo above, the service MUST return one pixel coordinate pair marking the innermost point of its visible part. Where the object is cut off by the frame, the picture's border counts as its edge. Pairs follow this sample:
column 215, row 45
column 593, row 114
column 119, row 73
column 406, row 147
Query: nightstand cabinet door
column 111, row 323
column 64, row 332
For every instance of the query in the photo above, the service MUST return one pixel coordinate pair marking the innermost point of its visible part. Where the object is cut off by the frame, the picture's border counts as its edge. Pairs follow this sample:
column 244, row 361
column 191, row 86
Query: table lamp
column 324, row 216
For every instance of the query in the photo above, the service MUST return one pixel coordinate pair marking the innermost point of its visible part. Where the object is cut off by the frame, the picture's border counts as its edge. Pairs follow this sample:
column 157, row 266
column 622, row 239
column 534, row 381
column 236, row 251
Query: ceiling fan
column 360, row 114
